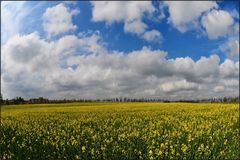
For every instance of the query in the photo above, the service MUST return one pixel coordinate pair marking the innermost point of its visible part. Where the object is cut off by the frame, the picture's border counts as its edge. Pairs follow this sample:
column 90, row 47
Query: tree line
column 41, row 100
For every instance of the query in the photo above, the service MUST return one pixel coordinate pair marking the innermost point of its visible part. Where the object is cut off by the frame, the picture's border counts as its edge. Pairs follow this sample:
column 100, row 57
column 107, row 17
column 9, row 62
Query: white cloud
column 24, row 53
column 31, row 57
column 58, row 19
column 219, row 88
column 81, row 67
column 231, row 82
column 206, row 69
column 130, row 13
column 184, row 14
column 226, row 84
column 218, row 23
column 207, row 66
column 12, row 15
column 231, row 48
column 229, row 69
column 234, row 49
column 152, row 35
column 178, row 86
column 135, row 26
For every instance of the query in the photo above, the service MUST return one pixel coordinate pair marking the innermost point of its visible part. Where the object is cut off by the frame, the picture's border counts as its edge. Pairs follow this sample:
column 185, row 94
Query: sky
column 135, row 49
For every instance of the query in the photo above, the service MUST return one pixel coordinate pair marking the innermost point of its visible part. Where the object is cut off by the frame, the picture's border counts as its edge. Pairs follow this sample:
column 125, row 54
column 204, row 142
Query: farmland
column 120, row 131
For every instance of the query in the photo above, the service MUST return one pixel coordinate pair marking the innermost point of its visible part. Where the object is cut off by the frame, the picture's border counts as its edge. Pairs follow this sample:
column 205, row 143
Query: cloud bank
column 83, row 67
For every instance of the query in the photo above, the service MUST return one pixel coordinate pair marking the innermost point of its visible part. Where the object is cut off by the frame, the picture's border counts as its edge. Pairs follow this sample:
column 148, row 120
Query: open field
column 120, row 131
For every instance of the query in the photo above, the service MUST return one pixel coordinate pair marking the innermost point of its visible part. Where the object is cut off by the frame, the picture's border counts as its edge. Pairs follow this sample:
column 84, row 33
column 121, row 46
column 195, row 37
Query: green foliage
column 120, row 131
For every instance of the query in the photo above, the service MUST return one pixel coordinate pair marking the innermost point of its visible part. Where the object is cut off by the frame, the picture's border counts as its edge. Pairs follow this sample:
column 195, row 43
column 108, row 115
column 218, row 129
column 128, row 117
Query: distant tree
column 1, row 99
column 7, row 102
column 225, row 99
column 17, row 100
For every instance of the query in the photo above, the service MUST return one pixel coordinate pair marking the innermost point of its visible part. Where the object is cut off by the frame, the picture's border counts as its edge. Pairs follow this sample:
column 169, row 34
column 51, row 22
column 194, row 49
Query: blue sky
column 187, row 30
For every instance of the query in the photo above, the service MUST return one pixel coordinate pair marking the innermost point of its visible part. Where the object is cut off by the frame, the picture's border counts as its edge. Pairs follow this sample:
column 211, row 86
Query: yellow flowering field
column 120, row 131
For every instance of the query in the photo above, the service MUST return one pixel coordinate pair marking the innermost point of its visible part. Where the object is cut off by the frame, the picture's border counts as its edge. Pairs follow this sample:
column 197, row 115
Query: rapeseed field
column 120, row 131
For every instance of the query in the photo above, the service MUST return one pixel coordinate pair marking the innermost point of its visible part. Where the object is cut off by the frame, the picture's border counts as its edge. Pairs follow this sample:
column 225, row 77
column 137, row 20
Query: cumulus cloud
column 152, row 35
column 58, row 19
column 229, row 69
column 130, row 13
column 178, row 86
column 27, row 59
column 184, row 15
column 135, row 26
column 217, row 23
column 230, row 82
column 219, row 88
column 234, row 49
column 81, row 67
column 231, row 48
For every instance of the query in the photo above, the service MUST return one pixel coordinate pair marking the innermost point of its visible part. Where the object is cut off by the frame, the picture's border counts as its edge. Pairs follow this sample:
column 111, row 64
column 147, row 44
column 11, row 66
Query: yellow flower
column 150, row 152
column 184, row 148
column 225, row 142
column 83, row 148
